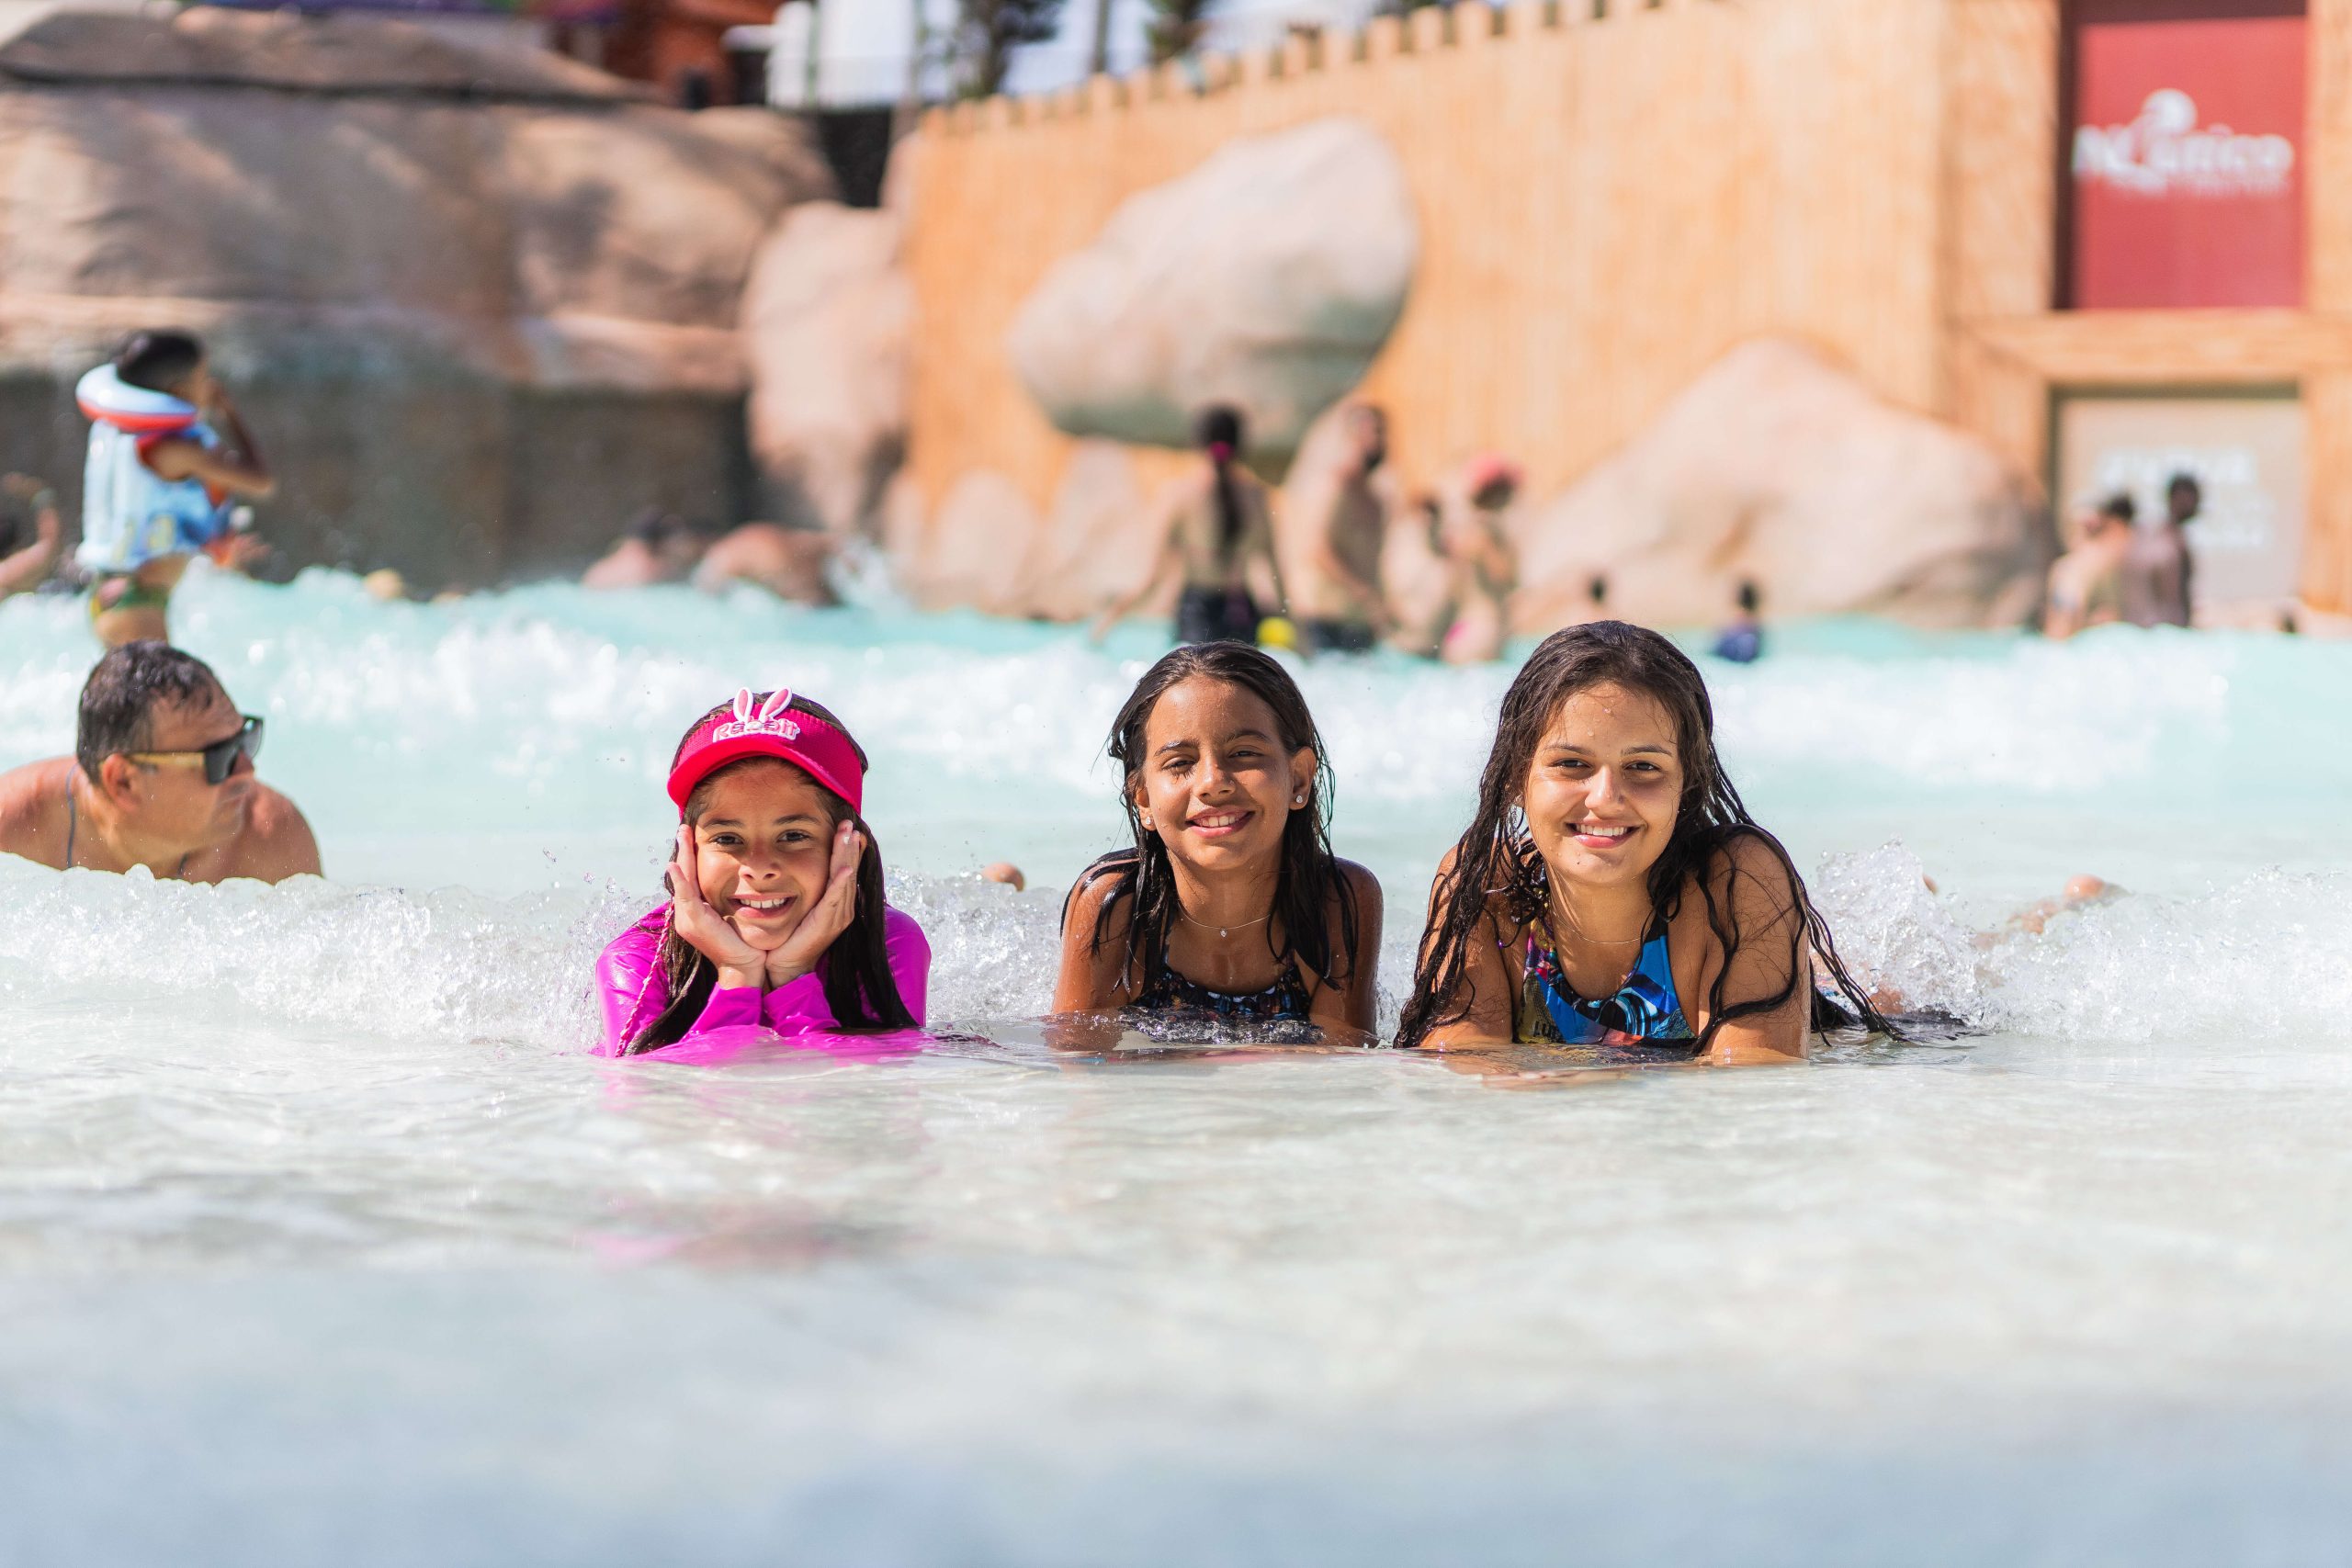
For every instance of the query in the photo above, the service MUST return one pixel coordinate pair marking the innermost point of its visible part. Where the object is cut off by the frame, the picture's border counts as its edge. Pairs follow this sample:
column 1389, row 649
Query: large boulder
column 1096, row 541
column 1778, row 465
column 825, row 320
column 1268, row 277
column 975, row 549
column 479, row 306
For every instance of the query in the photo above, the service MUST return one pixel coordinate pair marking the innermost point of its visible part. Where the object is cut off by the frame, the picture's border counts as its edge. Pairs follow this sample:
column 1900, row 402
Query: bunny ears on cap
column 774, row 729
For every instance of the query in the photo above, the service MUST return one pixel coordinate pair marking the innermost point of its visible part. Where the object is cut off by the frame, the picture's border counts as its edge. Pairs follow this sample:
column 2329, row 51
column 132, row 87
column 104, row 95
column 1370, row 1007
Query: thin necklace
column 1223, row 931
column 1569, row 915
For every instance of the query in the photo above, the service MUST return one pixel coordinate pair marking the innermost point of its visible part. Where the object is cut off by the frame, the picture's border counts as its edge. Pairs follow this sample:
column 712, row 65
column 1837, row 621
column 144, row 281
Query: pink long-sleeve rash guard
column 633, row 990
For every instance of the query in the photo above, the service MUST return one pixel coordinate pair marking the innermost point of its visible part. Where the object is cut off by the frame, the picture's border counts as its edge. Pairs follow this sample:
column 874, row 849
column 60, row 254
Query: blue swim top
column 1644, row 1010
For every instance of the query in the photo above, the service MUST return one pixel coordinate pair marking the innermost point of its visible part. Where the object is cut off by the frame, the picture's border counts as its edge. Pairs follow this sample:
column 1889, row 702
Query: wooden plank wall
column 1606, row 204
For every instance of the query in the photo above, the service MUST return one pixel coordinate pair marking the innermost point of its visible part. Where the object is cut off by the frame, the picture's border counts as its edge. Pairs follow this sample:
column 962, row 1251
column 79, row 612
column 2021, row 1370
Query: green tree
column 986, row 32
column 1175, row 27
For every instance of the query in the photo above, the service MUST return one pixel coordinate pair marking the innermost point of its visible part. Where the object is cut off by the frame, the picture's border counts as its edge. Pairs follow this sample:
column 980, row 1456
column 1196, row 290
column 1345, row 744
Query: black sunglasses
column 218, row 757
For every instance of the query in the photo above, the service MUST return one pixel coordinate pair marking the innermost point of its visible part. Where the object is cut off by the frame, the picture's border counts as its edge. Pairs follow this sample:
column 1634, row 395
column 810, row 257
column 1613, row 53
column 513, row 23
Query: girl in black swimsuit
column 1230, row 903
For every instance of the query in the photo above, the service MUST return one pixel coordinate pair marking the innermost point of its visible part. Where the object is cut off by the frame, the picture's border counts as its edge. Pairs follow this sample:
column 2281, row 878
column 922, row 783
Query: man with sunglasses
column 162, row 776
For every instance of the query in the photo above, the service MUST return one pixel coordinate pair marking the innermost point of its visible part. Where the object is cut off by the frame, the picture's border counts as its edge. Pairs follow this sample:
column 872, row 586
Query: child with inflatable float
column 170, row 460
column 1610, row 892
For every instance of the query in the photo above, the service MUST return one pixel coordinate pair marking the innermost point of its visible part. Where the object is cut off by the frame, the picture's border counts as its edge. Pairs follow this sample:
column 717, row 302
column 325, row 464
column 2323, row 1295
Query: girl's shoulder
column 1746, row 876
column 1360, row 883
column 645, row 932
column 899, row 927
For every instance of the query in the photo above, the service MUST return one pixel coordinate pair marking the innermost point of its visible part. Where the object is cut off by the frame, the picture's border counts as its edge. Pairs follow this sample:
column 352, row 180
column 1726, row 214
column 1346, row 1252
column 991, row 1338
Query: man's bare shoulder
column 277, row 841
column 29, row 801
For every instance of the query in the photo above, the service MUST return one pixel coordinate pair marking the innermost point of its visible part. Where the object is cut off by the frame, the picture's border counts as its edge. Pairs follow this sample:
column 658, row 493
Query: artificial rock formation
column 1268, row 277
column 479, row 306
column 1778, row 465
column 825, row 321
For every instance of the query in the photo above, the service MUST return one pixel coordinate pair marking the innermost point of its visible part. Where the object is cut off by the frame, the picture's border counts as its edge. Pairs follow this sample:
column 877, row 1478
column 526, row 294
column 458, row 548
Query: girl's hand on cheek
column 826, row 918
column 705, row 929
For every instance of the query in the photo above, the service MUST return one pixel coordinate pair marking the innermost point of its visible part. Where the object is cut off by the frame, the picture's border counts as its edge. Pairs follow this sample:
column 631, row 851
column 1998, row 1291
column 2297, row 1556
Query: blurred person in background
column 1742, row 642
column 29, row 531
column 169, row 456
column 2155, row 573
column 1340, row 500
column 657, row 546
column 2086, row 584
column 663, row 548
column 789, row 562
column 1213, row 530
column 1481, row 568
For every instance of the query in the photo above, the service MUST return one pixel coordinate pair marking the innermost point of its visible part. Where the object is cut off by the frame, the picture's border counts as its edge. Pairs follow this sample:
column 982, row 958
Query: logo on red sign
column 2164, row 151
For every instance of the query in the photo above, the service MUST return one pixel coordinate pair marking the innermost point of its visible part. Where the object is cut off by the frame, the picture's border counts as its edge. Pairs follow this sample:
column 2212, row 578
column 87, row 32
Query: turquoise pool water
column 318, row 1240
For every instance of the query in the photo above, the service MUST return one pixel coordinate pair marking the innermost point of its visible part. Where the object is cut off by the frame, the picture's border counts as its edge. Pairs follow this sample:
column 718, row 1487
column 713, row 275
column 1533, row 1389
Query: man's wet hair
column 158, row 360
column 2119, row 506
column 119, row 699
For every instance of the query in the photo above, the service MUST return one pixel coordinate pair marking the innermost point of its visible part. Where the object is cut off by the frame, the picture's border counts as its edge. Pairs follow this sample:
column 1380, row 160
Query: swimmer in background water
column 1213, row 531
column 2086, row 583
column 169, row 455
column 29, row 531
column 1449, row 569
column 1337, row 504
column 1611, row 889
column 1230, row 903
column 657, row 546
column 1479, row 555
column 777, row 918
column 1742, row 642
column 789, row 562
column 162, row 776
column 661, row 548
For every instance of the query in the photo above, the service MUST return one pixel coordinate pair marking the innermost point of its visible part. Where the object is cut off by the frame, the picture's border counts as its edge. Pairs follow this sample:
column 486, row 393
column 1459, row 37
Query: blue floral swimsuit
column 1644, row 1011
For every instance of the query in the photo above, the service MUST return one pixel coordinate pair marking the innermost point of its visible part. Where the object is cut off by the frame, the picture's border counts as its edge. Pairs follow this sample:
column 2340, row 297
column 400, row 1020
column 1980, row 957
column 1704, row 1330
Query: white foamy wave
column 2261, row 958
column 446, row 965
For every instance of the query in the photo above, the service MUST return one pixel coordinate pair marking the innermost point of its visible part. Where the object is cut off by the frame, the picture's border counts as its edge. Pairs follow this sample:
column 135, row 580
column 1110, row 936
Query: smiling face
column 170, row 800
column 1604, row 787
column 764, row 841
column 1217, row 784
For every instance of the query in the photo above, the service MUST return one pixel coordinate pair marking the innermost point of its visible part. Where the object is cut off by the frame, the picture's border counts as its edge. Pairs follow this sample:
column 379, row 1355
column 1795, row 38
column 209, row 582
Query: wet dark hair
column 854, row 971
column 119, row 700
column 655, row 527
column 1309, row 881
column 2119, row 506
column 1495, row 859
column 1219, row 425
column 159, row 360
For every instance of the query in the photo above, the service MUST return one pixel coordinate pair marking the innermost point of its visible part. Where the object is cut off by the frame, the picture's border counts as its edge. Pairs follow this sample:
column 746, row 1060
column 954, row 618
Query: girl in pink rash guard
column 776, row 920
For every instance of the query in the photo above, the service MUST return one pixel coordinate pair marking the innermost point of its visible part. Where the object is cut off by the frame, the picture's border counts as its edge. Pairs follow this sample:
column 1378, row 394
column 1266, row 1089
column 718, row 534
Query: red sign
column 2188, row 162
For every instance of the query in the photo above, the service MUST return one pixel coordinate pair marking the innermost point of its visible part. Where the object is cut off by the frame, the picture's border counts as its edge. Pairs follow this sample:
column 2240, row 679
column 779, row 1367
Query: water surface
column 319, row 1240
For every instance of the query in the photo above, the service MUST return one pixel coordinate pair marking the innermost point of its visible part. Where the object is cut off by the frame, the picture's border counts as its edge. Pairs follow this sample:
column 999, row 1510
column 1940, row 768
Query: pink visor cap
column 806, row 742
